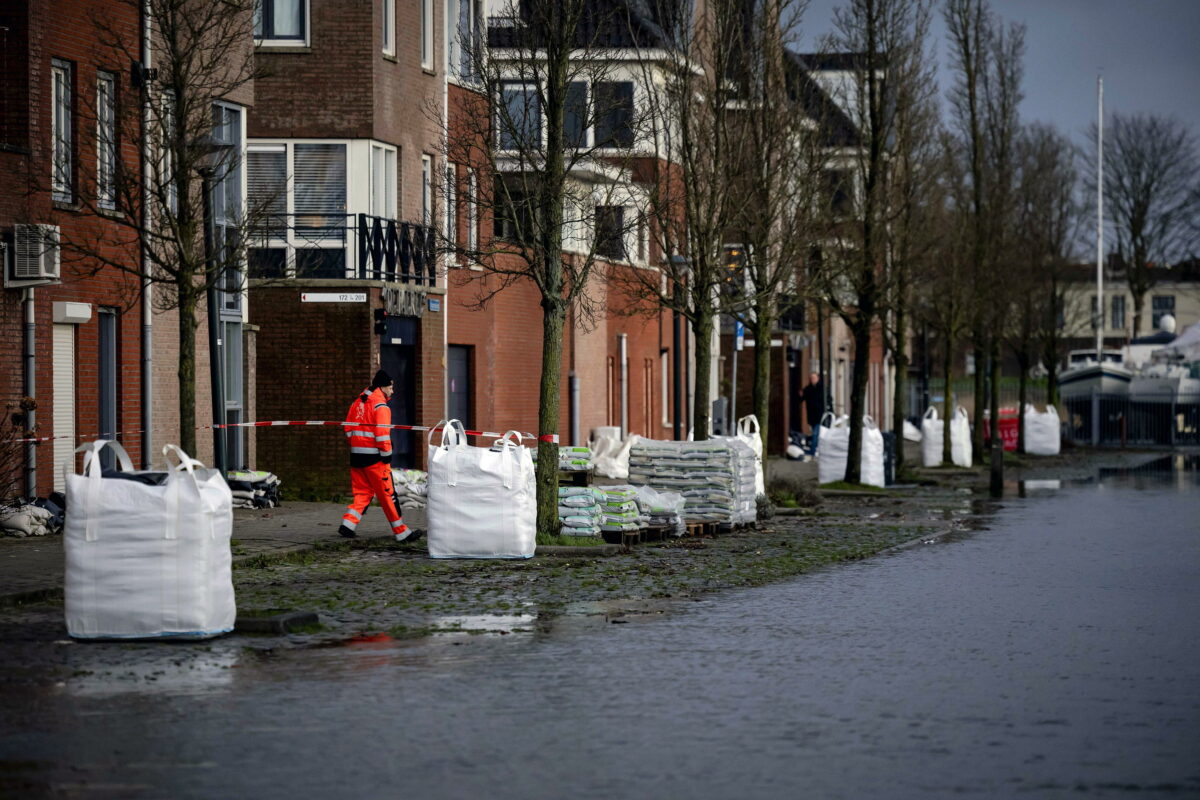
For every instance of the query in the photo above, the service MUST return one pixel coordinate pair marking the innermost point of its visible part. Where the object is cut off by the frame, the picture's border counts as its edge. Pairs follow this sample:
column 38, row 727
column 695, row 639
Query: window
column 166, row 156
column 383, row 181
column 283, row 21
column 614, row 114
column 472, row 211
column 1118, row 312
column 62, row 138
column 106, row 140
column 228, row 179
column 664, row 369
column 1161, row 304
column 451, row 210
column 319, row 174
column 575, row 119
column 427, row 34
column 426, row 190
column 266, row 168
column 520, row 123
column 610, row 232
column 514, row 211
column 465, row 21
column 838, row 194
column 389, row 27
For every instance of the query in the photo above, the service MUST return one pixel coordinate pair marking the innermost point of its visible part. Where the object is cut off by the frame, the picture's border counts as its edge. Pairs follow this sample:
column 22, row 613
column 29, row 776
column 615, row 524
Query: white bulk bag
column 871, row 464
column 932, row 437
column 1042, row 431
column 960, row 438
column 832, row 446
column 911, row 432
column 481, row 501
column 750, row 432
column 610, row 456
column 147, row 561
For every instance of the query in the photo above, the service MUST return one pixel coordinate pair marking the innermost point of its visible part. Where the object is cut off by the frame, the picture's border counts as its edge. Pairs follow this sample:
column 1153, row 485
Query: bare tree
column 546, row 142
column 693, row 102
column 1151, row 177
column 203, row 54
column 852, row 274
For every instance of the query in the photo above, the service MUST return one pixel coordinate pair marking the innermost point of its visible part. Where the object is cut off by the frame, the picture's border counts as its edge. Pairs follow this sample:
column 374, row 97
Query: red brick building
column 70, row 327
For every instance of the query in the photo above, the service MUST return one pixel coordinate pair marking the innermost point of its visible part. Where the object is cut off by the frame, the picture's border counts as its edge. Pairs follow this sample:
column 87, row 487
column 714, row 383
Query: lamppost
column 210, row 150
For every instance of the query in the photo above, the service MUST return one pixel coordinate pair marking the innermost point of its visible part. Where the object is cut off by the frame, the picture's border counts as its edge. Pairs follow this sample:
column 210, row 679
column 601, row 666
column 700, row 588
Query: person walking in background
column 369, row 432
column 813, row 396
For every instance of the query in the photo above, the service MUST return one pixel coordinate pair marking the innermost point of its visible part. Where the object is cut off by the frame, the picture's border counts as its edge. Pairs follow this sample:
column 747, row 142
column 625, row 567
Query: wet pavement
column 1054, row 651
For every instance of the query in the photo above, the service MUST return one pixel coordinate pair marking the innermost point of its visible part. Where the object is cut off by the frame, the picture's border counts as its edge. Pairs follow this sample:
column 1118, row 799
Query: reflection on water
column 1178, row 470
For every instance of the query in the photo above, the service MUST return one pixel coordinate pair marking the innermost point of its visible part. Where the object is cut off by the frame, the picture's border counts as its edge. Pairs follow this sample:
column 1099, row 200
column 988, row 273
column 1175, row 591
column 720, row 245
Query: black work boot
column 345, row 532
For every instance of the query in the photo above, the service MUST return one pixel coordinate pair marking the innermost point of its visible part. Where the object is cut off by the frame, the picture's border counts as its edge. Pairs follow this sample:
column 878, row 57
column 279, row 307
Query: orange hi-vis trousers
column 367, row 482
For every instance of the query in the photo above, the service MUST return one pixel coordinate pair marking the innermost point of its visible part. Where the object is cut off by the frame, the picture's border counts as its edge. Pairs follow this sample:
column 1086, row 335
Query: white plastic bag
column 145, row 560
column 911, row 432
column 1042, row 431
column 834, row 447
column 960, row 438
column 932, row 437
column 481, row 501
column 610, row 457
column 750, row 432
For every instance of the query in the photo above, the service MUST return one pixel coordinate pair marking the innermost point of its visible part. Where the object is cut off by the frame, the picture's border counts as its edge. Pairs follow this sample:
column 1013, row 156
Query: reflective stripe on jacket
column 367, row 433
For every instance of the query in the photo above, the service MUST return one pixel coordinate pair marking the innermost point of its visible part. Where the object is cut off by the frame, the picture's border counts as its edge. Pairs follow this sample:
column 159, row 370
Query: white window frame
column 474, row 31
column 427, row 34
column 426, row 189
column 472, row 211
column 166, row 156
column 389, row 27
column 293, row 41
column 62, row 162
column 450, row 212
column 106, row 139
column 388, row 155
column 294, row 241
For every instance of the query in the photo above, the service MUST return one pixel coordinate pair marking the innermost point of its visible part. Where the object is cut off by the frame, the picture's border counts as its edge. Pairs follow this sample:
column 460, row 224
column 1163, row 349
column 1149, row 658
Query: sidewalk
column 33, row 567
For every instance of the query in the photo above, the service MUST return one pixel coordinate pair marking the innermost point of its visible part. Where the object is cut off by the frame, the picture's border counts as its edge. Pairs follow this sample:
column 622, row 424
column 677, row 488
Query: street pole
column 214, row 334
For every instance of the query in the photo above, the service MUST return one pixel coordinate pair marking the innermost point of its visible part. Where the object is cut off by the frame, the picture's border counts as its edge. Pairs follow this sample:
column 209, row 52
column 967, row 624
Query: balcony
column 344, row 247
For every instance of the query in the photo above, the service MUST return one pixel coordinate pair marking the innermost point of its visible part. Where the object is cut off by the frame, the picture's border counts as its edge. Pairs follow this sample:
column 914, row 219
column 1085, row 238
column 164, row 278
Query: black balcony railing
column 354, row 247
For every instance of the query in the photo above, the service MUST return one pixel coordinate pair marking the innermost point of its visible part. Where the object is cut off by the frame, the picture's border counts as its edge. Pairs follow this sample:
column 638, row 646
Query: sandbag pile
column 662, row 509
column 39, row 518
column 411, row 487
column 580, row 510
column 705, row 473
column 619, row 509
column 253, row 489
column 570, row 459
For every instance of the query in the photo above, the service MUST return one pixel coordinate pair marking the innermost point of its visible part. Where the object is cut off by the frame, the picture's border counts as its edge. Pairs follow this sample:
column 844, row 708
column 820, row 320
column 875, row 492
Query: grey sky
column 1148, row 52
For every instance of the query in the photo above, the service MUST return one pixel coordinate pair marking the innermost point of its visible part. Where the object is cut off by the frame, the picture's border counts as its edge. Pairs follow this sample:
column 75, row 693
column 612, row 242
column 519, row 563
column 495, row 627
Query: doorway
column 398, row 358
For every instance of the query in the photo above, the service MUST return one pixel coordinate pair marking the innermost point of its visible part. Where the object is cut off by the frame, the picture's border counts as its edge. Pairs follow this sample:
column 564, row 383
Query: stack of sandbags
column 28, row 520
column 253, row 489
column 411, row 487
column 570, row 459
column 580, row 510
column 705, row 473
column 662, row 509
column 619, row 509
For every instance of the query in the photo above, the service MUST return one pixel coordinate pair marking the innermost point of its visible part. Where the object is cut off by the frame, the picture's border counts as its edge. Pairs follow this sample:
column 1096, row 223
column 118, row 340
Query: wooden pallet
column 575, row 477
column 701, row 528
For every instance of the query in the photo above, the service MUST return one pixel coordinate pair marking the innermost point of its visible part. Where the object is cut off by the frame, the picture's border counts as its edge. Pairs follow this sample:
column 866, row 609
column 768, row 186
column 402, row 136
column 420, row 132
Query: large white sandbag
column 932, row 437
column 610, row 456
column 146, row 561
column 750, row 432
column 834, row 447
column 1042, row 431
column 911, row 432
column 960, row 438
column 481, row 501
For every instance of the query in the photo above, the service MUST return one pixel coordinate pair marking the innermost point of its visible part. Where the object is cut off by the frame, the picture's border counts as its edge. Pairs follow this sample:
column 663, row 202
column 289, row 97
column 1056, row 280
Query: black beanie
column 381, row 379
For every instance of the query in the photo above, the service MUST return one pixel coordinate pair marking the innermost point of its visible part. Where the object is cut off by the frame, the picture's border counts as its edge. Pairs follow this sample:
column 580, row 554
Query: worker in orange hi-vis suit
column 370, row 435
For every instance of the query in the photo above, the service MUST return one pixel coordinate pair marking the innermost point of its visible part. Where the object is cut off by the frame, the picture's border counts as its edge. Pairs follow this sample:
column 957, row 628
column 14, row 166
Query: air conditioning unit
column 35, row 256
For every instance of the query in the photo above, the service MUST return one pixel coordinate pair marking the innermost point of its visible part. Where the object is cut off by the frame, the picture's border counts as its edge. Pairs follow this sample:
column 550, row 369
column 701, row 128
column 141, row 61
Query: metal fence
column 1118, row 420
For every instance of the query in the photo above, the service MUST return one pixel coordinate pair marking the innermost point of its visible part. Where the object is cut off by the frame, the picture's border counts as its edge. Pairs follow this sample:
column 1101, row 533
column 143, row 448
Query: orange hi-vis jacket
column 368, row 432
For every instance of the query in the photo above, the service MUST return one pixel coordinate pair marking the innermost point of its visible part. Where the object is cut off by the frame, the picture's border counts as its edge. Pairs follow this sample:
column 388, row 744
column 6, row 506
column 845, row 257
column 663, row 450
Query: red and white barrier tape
column 546, row 437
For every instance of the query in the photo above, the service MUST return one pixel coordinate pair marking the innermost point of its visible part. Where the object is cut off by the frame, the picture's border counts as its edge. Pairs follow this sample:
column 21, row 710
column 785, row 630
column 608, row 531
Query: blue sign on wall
column 435, row 304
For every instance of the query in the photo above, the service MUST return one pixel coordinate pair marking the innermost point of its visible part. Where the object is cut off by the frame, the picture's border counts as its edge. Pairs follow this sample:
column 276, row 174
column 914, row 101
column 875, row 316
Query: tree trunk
column 981, row 401
column 948, row 372
column 858, row 398
column 186, row 372
column 1023, row 359
column 761, row 400
column 1139, row 300
column 553, row 316
column 997, row 474
column 702, row 328
column 900, row 388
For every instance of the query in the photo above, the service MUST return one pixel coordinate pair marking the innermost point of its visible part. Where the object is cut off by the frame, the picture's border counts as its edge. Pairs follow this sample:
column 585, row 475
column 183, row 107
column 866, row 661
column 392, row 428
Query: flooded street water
column 1053, row 653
